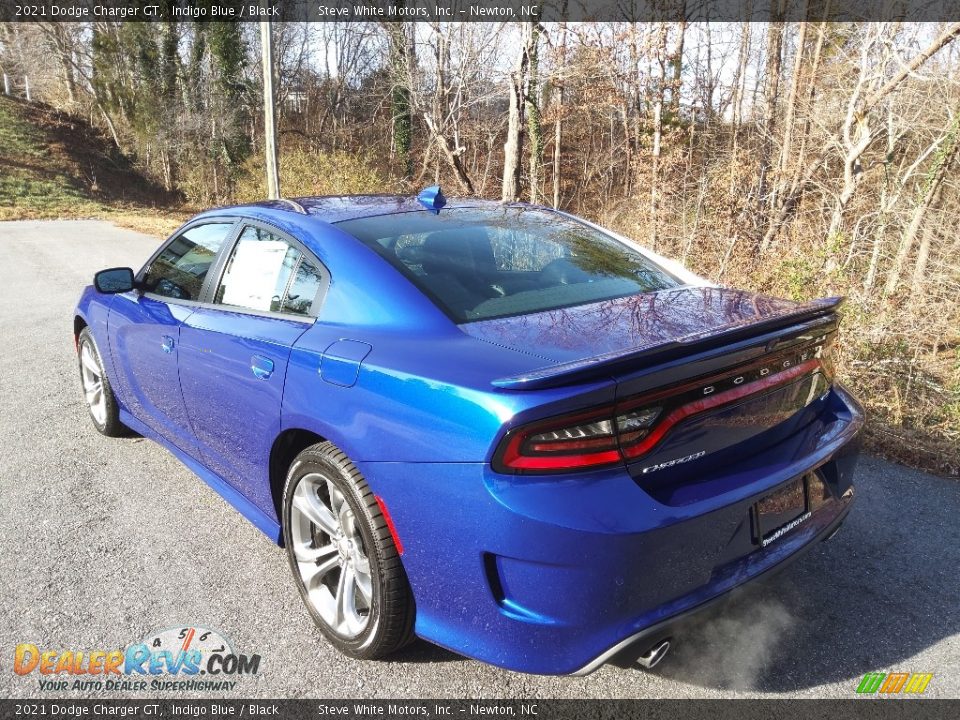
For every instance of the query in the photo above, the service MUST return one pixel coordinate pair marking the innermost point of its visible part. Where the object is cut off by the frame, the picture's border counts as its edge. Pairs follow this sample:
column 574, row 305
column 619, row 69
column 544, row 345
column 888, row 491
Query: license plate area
column 781, row 511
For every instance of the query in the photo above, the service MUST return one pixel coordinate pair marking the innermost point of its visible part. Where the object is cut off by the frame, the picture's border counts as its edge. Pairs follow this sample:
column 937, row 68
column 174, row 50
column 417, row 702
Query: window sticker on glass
column 253, row 279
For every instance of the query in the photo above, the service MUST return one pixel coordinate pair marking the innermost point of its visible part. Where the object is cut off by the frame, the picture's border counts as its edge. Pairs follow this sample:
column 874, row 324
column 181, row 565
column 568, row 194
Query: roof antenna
column 432, row 199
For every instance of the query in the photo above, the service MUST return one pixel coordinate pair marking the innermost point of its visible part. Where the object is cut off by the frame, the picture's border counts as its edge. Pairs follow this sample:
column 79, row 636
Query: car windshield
column 480, row 264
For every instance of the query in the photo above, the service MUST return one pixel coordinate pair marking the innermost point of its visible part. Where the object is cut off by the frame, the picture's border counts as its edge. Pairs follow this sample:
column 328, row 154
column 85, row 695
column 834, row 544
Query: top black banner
column 478, row 11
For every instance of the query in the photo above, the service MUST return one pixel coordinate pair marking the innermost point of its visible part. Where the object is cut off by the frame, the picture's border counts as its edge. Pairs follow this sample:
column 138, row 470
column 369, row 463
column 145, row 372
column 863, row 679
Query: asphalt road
column 103, row 541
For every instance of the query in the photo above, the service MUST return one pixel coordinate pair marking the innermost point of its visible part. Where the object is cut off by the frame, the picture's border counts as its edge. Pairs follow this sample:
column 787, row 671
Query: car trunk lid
column 698, row 371
column 613, row 336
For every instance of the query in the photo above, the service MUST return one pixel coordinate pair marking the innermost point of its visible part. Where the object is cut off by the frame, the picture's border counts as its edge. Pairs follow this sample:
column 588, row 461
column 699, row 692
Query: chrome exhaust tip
column 652, row 657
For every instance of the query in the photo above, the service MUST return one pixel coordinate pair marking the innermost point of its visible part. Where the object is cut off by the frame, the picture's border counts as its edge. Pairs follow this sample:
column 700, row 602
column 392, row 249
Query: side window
column 267, row 273
column 303, row 290
column 179, row 270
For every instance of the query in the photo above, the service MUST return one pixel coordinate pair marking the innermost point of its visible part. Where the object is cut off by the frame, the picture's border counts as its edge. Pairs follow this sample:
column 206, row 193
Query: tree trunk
column 676, row 64
column 534, row 128
column 66, row 67
column 791, row 109
column 739, row 90
column 269, row 129
column 658, row 100
column 771, row 96
column 881, row 231
column 931, row 195
column 923, row 255
column 401, row 49
column 110, row 126
column 452, row 154
column 558, row 120
column 513, row 147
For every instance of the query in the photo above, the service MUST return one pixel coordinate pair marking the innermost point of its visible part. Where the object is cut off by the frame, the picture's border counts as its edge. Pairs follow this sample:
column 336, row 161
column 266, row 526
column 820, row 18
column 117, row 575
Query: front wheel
column 101, row 402
column 343, row 557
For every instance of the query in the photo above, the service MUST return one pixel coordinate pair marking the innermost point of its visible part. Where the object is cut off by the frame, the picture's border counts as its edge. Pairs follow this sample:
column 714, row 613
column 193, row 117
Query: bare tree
column 930, row 195
column 513, row 146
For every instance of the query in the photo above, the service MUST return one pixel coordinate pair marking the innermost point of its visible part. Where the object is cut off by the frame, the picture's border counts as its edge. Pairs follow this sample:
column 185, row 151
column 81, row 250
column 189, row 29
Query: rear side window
column 479, row 264
column 181, row 267
column 267, row 274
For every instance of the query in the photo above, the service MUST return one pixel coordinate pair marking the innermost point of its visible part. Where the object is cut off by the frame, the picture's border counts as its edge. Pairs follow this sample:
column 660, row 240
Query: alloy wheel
column 92, row 378
column 330, row 555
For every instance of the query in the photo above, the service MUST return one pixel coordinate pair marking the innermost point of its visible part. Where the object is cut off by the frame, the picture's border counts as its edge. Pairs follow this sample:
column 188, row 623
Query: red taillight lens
column 568, row 442
column 582, row 440
column 633, row 427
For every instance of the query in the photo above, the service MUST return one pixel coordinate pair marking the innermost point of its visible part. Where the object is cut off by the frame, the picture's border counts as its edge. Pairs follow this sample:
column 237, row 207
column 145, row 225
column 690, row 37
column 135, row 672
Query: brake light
column 582, row 440
column 631, row 428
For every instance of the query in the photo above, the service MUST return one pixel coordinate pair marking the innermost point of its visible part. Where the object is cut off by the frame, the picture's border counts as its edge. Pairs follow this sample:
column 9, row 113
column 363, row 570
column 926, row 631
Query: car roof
column 338, row 208
column 312, row 221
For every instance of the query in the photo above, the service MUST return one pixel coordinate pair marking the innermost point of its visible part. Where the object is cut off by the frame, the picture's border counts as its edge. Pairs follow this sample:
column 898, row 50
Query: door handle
column 166, row 343
column 262, row 367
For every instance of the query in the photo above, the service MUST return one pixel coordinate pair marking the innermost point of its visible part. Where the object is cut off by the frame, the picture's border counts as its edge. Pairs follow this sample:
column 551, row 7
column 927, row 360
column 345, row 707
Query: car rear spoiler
column 811, row 313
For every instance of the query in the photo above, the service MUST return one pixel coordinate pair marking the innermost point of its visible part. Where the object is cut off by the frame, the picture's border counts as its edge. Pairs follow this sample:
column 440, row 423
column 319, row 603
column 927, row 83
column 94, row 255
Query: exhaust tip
column 652, row 657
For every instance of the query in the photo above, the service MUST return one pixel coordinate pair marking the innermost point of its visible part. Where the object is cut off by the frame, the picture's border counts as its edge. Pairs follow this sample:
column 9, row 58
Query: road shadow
column 422, row 652
column 882, row 591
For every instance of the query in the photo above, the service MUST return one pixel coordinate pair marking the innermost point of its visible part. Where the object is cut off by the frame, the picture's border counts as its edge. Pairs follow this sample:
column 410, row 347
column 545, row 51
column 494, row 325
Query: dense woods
column 798, row 159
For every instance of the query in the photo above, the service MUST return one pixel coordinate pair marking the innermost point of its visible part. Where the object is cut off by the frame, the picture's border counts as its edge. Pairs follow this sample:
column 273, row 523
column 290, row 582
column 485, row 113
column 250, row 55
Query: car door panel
column 232, row 371
column 144, row 328
column 144, row 335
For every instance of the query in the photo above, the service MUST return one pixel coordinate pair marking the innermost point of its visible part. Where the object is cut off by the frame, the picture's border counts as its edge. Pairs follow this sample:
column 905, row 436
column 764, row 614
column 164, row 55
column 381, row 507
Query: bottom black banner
column 875, row 709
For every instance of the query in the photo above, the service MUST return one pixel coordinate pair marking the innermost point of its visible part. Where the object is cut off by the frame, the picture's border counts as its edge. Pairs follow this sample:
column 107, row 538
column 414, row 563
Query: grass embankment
column 55, row 165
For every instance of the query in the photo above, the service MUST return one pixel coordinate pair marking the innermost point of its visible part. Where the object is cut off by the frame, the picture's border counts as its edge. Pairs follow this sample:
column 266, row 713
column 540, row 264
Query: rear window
column 491, row 263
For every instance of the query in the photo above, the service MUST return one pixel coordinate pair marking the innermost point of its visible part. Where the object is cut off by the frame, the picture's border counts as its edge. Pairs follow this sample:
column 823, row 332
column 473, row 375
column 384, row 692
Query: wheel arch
column 287, row 445
column 79, row 323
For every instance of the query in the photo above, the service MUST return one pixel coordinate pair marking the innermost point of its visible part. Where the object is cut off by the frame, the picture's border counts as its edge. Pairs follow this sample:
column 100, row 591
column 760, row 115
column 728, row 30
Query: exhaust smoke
column 732, row 647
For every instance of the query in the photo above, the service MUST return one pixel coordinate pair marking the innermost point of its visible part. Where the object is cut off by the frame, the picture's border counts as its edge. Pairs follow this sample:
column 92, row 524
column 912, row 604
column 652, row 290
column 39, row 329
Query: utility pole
column 269, row 127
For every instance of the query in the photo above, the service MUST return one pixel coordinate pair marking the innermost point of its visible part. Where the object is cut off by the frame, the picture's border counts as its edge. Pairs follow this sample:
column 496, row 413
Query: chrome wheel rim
column 92, row 377
column 330, row 555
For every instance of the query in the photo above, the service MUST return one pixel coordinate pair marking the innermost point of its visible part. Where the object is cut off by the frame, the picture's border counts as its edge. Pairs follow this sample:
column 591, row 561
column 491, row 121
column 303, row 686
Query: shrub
column 304, row 173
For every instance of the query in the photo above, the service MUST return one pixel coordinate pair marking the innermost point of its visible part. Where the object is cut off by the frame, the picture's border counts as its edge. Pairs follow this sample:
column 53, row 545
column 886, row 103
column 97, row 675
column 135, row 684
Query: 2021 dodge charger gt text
column 497, row 427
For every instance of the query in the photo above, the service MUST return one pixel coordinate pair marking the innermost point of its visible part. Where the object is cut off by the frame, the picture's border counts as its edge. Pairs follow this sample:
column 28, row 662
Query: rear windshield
column 479, row 264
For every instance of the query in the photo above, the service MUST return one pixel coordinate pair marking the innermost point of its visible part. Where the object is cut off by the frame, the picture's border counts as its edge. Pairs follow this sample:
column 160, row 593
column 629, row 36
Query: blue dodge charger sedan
column 497, row 427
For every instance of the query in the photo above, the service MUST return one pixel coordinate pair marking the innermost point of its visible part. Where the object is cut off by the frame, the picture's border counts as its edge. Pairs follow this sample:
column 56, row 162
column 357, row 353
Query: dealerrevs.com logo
column 182, row 658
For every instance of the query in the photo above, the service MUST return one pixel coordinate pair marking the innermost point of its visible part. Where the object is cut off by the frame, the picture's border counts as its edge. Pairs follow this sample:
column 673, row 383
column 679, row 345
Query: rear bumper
column 557, row 575
column 628, row 649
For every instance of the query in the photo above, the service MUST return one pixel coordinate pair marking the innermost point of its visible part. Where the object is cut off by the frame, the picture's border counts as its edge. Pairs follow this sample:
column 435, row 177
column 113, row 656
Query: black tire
column 108, row 423
column 391, row 611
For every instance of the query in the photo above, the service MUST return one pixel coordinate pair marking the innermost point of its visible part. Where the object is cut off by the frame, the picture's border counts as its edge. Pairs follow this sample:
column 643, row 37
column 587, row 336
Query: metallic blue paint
column 535, row 573
column 233, row 411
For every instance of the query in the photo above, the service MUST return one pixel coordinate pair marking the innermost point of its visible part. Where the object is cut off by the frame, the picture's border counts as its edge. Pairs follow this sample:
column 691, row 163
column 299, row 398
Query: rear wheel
column 101, row 402
column 343, row 557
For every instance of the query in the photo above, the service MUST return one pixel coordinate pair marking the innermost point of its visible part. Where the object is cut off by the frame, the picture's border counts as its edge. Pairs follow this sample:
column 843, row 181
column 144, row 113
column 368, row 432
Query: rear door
column 145, row 328
column 234, row 352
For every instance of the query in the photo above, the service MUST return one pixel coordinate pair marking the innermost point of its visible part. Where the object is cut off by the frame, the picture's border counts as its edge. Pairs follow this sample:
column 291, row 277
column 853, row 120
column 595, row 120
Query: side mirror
column 114, row 280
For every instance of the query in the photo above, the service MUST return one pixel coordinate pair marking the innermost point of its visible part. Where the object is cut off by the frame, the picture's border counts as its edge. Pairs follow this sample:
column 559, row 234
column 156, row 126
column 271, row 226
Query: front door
column 144, row 329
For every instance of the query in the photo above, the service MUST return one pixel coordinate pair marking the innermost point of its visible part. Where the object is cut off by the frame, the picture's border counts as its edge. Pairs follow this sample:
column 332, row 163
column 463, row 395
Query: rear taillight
column 631, row 428
column 563, row 443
